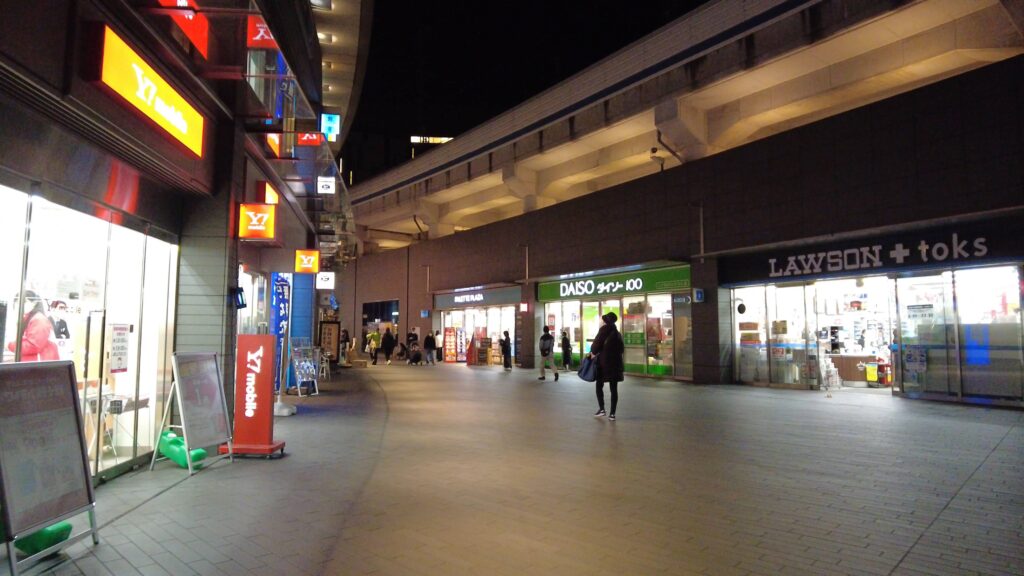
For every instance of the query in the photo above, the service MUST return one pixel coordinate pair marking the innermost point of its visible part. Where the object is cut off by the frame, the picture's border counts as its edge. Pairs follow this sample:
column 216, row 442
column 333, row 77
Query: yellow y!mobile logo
column 126, row 73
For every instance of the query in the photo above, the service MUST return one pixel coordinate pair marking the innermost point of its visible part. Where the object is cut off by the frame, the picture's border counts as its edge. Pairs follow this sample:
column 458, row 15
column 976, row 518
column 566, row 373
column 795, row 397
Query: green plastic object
column 173, row 448
column 43, row 539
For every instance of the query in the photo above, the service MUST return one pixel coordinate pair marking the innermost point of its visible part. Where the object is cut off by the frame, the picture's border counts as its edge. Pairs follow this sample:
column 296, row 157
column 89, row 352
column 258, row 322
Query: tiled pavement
column 454, row 470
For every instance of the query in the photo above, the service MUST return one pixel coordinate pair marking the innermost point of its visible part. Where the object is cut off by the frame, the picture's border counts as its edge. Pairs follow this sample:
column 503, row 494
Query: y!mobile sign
column 127, row 74
column 254, row 394
column 256, row 221
column 307, row 261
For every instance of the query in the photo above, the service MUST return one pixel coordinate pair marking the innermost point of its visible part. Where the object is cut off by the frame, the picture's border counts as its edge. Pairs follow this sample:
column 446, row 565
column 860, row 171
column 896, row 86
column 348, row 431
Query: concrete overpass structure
column 727, row 74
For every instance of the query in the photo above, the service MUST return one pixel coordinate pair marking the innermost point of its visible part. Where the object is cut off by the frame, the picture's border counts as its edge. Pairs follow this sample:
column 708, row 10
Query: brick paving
column 452, row 470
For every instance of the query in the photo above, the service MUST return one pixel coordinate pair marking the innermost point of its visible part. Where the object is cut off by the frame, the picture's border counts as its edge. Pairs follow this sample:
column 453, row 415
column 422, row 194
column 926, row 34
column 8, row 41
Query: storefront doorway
column 102, row 296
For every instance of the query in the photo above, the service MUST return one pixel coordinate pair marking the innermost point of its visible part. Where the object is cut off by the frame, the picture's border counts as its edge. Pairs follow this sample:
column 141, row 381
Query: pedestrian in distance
column 373, row 344
column 387, row 344
column 506, row 351
column 344, row 342
column 566, row 351
column 38, row 341
column 430, row 348
column 547, row 353
column 438, row 340
column 607, row 349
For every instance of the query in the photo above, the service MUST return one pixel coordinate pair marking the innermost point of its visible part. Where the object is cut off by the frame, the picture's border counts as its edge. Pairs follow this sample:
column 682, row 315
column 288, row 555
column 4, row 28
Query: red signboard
column 309, row 139
column 258, row 34
column 450, row 354
column 254, row 395
column 195, row 26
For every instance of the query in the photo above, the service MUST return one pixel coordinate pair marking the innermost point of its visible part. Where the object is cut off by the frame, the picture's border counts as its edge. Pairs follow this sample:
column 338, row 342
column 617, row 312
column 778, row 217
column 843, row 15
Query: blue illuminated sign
column 330, row 125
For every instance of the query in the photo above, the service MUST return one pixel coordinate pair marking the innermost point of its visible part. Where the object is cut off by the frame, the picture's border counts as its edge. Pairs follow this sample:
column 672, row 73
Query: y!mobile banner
column 254, row 389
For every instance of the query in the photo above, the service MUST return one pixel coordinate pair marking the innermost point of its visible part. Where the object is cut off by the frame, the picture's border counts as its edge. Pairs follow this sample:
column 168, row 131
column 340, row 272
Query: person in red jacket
column 37, row 339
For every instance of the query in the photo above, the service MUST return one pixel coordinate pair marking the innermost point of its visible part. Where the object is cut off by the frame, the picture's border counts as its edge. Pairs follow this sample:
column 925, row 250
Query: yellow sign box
column 307, row 261
column 127, row 74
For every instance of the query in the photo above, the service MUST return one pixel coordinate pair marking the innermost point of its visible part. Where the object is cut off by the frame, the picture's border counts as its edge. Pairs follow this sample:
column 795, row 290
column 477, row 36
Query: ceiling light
column 327, row 64
column 327, row 87
column 325, row 37
column 322, row 4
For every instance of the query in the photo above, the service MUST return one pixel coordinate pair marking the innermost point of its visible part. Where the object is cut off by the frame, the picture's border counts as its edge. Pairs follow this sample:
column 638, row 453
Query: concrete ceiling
column 907, row 47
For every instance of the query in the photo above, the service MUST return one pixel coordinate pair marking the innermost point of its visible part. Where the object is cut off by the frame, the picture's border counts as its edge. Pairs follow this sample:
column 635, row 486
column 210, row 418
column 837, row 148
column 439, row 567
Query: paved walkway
column 451, row 470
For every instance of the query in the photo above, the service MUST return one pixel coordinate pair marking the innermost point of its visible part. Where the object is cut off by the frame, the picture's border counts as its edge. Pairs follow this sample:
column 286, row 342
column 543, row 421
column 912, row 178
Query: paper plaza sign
column 125, row 72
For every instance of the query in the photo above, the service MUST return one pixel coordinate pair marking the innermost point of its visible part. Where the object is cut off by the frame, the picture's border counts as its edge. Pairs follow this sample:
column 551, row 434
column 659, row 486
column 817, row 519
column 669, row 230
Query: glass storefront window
column 12, row 238
column 632, row 323
column 660, row 335
column 573, row 326
column 748, row 307
column 86, row 280
column 926, row 336
column 787, row 336
column 988, row 308
column 683, row 335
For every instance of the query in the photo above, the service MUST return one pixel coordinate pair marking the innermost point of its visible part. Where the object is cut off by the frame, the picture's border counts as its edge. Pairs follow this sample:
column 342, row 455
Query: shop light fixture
column 325, row 37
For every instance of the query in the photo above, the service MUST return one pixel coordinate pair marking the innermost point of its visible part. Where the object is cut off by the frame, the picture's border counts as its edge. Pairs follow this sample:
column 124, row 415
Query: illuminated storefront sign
column 478, row 296
column 269, row 194
column 307, row 261
column 325, row 185
column 659, row 280
column 127, row 74
column 195, row 26
column 258, row 34
column 309, row 139
column 330, row 125
column 325, row 281
column 274, row 142
column 257, row 221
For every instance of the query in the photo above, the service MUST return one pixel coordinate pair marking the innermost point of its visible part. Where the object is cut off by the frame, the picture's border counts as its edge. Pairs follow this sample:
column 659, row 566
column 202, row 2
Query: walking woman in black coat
column 566, row 351
column 608, row 348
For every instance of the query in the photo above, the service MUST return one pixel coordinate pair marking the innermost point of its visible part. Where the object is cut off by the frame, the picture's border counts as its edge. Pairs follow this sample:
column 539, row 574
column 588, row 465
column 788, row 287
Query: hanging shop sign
column 309, row 139
column 325, row 185
column 478, row 297
column 673, row 279
column 125, row 72
column 270, row 195
column 325, row 281
column 274, row 143
column 194, row 25
column 330, row 126
column 951, row 246
column 307, row 261
column 258, row 34
column 256, row 221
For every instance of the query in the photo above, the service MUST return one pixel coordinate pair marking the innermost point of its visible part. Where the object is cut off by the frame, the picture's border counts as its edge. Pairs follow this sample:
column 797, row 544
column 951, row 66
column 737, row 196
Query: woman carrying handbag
column 606, row 351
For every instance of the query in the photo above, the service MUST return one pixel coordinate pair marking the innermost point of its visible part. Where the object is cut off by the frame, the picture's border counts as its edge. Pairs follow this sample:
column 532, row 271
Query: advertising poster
column 41, row 458
column 119, row 346
column 450, row 354
column 203, row 416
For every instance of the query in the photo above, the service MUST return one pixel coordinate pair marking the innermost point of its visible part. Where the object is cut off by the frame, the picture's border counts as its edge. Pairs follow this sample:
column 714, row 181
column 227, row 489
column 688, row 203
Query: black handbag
column 588, row 369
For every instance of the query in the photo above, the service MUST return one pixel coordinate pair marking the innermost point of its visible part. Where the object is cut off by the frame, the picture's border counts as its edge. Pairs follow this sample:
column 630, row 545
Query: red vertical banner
column 254, row 395
column 449, row 345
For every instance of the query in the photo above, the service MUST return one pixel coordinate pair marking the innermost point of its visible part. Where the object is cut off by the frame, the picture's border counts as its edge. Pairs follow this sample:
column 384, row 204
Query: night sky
column 442, row 67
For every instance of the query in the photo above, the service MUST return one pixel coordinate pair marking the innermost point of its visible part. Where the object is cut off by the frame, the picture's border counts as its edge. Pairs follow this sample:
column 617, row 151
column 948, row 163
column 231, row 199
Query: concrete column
column 208, row 263
column 527, row 335
column 712, row 326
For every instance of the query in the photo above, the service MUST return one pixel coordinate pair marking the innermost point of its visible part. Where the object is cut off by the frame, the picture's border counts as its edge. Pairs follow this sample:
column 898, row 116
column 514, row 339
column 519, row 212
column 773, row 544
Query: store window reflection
column 988, row 302
column 85, row 288
column 660, row 335
column 748, row 307
column 12, row 238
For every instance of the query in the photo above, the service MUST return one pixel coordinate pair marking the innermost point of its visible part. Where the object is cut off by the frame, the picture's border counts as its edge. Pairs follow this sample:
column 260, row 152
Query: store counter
column 851, row 367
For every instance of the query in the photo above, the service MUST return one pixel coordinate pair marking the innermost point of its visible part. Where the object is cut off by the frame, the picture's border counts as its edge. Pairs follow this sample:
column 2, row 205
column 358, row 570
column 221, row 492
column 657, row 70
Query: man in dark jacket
column 387, row 343
column 429, row 347
column 547, row 353
column 608, row 348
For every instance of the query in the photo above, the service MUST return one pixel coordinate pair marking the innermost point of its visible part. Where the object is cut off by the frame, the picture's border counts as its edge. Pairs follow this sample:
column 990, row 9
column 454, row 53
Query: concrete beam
column 1015, row 10
column 684, row 127
column 452, row 212
column 520, row 181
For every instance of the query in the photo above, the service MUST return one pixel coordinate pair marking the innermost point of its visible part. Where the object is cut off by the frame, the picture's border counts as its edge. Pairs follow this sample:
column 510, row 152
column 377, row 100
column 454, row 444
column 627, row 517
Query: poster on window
column 450, row 354
column 119, row 347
